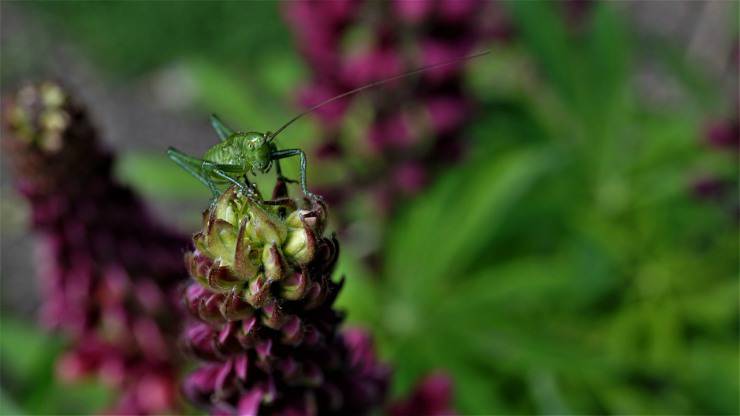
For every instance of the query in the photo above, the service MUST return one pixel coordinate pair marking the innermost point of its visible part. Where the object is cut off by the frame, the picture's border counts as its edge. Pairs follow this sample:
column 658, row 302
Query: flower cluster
column 110, row 272
column 432, row 396
column 264, row 325
column 721, row 186
column 416, row 122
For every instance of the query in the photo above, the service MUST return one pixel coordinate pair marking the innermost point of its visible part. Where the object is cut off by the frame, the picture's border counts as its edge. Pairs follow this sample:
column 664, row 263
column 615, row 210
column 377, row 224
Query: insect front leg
column 282, row 154
column 280, row 176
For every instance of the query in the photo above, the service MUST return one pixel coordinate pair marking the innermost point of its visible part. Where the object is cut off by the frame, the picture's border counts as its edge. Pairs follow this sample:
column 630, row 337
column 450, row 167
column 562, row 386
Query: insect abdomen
column 224, row 153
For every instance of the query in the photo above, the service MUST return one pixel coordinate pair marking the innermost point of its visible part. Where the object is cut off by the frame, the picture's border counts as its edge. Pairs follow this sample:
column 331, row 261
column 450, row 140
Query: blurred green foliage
column 27, row 359
column 129, row 38
column 564, row 268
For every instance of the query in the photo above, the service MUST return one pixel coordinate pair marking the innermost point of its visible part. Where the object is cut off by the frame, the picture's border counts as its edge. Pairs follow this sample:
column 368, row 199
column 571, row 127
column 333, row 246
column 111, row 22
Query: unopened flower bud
column 235, row 308
column 273, row 316
column 301, row 244
column 209, row 308
column 257, row 291
column 220, row 240
column 273, row 262
column 264, row 227
column 293, row 287
column 292, row 331
column 221, row 279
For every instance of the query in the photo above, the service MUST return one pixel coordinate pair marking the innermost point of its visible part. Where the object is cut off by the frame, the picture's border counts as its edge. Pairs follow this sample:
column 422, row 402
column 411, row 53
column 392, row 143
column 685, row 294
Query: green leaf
column 444, row 232
column 24, row 349
column 545, row 35
column 28, row 358
column 8, row 405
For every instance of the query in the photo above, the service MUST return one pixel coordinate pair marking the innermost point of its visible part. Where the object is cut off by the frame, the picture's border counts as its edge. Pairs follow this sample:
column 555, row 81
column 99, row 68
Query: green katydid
column 240, row 153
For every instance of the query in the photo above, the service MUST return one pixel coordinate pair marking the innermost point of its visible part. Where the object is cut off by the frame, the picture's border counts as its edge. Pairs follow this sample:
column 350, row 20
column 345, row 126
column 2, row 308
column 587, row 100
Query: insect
column 239, row 153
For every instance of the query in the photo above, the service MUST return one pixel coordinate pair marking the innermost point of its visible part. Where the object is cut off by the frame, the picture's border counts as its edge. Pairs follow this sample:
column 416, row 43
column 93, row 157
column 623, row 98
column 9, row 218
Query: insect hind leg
column 222, row 171
column 190, row 165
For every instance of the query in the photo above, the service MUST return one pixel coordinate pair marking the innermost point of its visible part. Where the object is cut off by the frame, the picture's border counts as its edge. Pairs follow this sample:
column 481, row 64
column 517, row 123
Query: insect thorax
column 248, row 150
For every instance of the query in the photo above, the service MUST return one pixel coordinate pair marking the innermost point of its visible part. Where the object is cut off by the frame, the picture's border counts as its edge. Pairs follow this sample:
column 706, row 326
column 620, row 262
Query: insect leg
column 191, row 166
column 221, row 130
column 282, row 154
column 280, row 176
column 216, row 170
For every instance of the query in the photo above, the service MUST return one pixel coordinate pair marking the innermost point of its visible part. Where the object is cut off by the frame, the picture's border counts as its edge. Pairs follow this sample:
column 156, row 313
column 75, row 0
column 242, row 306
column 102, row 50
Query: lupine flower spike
column 110, row 272
column 264, row 325
column 416, row 123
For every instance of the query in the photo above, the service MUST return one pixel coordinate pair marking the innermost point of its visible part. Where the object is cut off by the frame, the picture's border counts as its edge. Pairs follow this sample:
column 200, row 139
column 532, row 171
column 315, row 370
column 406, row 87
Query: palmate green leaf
column 442, row 233
column 588, row 67
column 481, row 331
column 519, row 284
column 606, row 57
column 545, row 36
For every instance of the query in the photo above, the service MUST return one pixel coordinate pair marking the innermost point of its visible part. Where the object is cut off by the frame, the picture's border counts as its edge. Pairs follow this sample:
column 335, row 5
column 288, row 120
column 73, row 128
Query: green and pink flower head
column 264, row 326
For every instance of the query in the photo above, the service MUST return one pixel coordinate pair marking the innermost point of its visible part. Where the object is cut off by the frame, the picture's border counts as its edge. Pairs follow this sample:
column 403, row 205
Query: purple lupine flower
column 109, row 271
column 724, row 134
column 422, row 119
column 414, row 121
column 432, row 396
column 264, row 326
column 721, row 186
column 721, row 136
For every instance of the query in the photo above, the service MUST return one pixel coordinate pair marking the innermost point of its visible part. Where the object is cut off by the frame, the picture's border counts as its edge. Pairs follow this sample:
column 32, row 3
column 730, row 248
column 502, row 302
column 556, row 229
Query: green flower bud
column 294, row 287
column 301, row 244
column 264, row 227
column 273, row 262
column 234, row 308
column 257, row 291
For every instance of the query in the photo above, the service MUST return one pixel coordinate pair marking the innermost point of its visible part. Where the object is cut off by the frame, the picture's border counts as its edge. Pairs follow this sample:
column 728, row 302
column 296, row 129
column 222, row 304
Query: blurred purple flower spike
column 109, row 271
column 432, row 396
column 724, row 134
column 410, row 120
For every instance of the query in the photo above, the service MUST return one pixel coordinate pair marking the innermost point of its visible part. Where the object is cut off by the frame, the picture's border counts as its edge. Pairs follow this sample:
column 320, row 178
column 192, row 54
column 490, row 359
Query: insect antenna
column 375, row 84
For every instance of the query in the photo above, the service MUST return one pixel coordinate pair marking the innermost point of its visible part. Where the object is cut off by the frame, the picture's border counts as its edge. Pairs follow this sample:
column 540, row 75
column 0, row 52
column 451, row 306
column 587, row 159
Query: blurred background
column 554, row 224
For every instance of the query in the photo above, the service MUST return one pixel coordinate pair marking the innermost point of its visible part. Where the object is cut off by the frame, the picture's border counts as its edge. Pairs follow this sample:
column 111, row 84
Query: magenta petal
column 412, row 11
column 447, row 113
column 410, row 177
column 432, row 396
column 264, row 348
column 222, row 376
column 249, row 403
column 241, row 363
